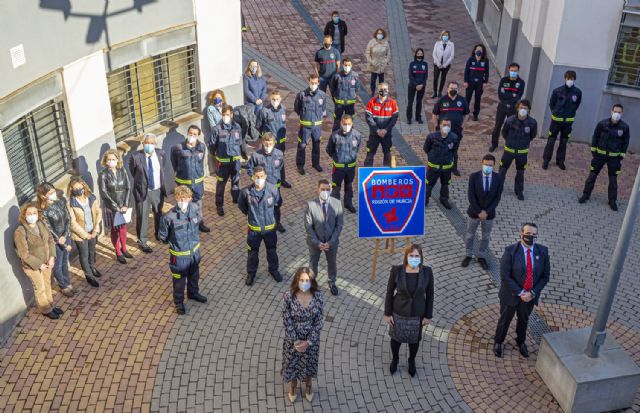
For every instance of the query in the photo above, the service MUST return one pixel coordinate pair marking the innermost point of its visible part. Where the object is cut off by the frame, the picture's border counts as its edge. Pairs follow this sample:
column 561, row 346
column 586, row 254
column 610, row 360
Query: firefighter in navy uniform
column 454, row 107
column 258, row 202
column 518, row 132
column 343, row 147
column 510, row 91
column 272, row 160
column 564, row 104
column 440, row 147
column 476, row 76
column 179, row 228
column 608, row 146
column 273, row 118
column 418, row 74
column 228, row 147
column 344, row 88
column 311, row 106
column 381, row 114
column 188, row 160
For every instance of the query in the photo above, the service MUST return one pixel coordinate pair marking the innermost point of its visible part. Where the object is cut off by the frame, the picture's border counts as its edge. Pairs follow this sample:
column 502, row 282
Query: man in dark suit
column 323, row 222
column 485, row 190
column 147, row 169
column 524, row 271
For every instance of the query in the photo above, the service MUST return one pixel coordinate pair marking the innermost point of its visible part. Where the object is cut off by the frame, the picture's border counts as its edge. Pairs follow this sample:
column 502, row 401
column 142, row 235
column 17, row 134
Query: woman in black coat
column 336, row 24
column 408, row 305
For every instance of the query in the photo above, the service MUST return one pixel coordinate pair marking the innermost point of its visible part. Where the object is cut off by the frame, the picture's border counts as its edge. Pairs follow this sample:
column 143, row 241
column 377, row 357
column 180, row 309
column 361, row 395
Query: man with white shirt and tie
column 524, row 272
column 147, row 169
column 485, row 190
column 323, row 222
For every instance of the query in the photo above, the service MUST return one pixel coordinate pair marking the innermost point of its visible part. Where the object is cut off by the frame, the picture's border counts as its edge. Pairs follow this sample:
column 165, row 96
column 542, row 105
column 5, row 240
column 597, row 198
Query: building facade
column 81, row 77
column 599, row 39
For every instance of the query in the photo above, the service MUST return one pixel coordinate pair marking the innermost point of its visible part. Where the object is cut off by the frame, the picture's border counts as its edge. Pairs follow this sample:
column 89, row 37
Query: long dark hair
column 419, row 49
column 484, row 51
column 41, row 195
column 296, row 280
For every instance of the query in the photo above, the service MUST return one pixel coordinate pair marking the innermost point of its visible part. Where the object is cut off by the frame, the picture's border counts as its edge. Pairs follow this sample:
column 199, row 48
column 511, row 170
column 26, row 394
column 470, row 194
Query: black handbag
column 406, row 329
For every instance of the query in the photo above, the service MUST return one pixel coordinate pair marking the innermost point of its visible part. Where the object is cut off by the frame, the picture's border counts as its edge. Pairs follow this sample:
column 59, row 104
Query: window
column 38, row 148
column 625, row 70
column 152, row 90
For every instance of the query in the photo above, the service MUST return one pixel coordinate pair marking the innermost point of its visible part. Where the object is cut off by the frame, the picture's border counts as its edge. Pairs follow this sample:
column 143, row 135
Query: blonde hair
column 442, row 33
column 247, row 71
column 182, row 192
column 113, row 152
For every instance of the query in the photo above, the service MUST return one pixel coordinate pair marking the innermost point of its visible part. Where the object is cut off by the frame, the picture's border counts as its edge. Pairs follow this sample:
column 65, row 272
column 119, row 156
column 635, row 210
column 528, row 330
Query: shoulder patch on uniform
column 620, row 132
column 517, row 84
column 527, row 129
column 459, row 103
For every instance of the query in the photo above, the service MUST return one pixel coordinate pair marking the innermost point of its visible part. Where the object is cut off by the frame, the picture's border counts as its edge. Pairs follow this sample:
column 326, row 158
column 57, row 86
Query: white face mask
column 347, row 69
column 260, row 182
column 324, row 195
column 379, row 36
column 268, row 149
column 445, row 130
column 275, row 103
column 31, row 219
column 313, row 87
column 53, row 197
column 346, row 128
column 112, row 164
column 226, row 119
column 183, row 205
column 523, row 113
column 192, row 139
column 616, row 116
column 253, row 69
column 569, row 83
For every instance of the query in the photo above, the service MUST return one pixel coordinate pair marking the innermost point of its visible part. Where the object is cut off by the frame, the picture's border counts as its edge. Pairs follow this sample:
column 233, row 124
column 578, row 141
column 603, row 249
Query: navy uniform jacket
column 564, row 103
column 188, row 164
column 476, row 71
column 310, row 106
column 226, row 143
column 343, row 149
column 513, row 271
column 327, row 62
column 518, row 134
column 610, row 139
column 440, row 151
column 452, row 109
column 418, row 73
column 259, row 206
column 180, row 229
column 344, row 87
column 272, row 163
column 274, row 121
column 510, row 91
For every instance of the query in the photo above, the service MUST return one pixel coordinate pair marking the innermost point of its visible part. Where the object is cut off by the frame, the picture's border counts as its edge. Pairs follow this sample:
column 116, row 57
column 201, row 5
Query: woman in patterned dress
column 302, row 318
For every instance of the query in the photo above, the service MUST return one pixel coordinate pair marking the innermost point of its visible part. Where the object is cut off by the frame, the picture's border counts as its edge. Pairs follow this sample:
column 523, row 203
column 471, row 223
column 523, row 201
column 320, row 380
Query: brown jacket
column 33, row 249
column 77, row 217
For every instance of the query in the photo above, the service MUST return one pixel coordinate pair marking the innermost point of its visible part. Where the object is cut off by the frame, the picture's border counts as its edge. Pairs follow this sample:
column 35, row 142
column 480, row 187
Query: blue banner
column 391, row 202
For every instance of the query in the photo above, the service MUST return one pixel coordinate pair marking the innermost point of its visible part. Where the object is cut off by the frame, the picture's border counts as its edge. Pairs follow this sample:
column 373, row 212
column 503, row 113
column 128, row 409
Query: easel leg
column 375, row 260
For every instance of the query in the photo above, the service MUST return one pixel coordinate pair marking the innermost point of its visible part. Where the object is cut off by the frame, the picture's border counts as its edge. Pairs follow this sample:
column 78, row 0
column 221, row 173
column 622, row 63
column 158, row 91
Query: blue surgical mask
column 478, row 53
column 445, row 38
column 413, row 262
column 217, row 101
column 149, row 148
column 336, row 19
column 487, row 169
column 513, row 75
column 304, row 286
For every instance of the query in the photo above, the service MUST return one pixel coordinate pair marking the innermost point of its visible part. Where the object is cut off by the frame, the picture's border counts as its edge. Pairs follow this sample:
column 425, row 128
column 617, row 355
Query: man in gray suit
column 324, row 221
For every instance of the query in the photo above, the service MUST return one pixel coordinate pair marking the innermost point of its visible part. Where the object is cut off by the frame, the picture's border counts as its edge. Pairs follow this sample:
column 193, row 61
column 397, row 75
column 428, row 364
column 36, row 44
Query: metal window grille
column 38, row 148
column 152, row 90
column 625, row 68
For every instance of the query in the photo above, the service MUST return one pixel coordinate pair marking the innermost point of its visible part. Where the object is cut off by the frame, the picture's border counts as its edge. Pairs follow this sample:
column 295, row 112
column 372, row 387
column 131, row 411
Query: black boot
column 92, row 281
column 393, row 367
column 412, row 367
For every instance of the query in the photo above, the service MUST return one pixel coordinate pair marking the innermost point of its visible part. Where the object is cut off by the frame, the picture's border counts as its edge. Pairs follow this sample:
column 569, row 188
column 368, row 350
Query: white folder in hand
column 121, row 218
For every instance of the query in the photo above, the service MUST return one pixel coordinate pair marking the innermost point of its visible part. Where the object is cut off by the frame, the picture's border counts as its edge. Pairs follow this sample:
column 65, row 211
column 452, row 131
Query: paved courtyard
column 122, row 348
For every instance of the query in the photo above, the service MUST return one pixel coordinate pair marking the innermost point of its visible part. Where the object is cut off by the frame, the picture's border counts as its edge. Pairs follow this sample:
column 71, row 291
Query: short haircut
column 182, row 192
column 258, row 168
column 313, row 76
column 528, row 224
column 227, row 108
column 514, row 64
column 409, row 250
column 383, row 84
column 618, row 105
column 453, row 82
column 268, row 137
column 524, row 102
column 196, row 128
column 380, row 29
column 275, row 92
column 333, row 13
column 570, row 74
column 489, row 157
column 444, row 120
column 149, row 135
column 323, row 181
column 346, row 60
column 346, row 116
column 442, row 33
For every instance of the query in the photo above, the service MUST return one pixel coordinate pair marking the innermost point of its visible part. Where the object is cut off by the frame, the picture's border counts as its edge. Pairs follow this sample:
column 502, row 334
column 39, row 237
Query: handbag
column 406, row 329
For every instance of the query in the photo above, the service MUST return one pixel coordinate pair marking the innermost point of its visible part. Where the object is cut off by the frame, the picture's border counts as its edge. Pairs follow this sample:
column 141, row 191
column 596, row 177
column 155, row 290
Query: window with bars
column 152, row 90
column 38, row 148
column 625, row 70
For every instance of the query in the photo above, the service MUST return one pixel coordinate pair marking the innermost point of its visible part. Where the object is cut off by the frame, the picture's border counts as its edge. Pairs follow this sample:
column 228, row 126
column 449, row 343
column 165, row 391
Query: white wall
column 538, row 26
column 513, row 7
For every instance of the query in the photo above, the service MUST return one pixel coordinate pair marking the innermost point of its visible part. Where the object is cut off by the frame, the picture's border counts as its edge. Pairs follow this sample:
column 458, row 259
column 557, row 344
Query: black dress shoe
column 126, row 254
column 545, row 165
column 121, row 259
column 180, row 309
column 456, row 172
column 445, row 203
column 493, row 148
column 408, row 121
column 466, row 261
column 523, row 349
column 285, row 184
column 220, row 211
column 520, row 197
column 583, row 199
column 198, row 297
column 435, row 95
column 350, row 208
column 426, row 202
column 144, row 248
column 411, row 367
column 613, row 205
column 276, row 276
column 483, row 263
column 420, row 121
column 203, row 228
column 561, row 165
column 280, row 228
column 52, row 315
column 57, row 310
column 96, row 273
column 497, row 349
column 92, row 281
column 393, row 367
column 301, row 170
column 318, row 168
column 333, row 289
column 475, row 117
column 250, row 279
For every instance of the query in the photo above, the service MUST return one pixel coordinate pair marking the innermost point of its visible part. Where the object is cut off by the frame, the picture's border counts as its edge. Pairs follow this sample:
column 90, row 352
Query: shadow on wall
column 82, row 167
column 172, row 138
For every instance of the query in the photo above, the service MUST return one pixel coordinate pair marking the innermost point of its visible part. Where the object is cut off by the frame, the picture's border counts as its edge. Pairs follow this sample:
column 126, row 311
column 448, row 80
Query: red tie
column 528, row 281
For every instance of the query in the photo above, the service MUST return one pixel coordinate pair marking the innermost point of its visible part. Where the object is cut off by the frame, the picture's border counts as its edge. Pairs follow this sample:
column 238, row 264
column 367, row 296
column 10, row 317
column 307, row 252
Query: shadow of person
column 82, row 167
column 12, row 258
column 171, row 139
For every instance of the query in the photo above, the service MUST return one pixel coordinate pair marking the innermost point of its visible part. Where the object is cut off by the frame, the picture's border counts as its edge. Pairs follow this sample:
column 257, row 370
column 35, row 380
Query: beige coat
column 77, row 219
column 378, row 55
column 34, row 249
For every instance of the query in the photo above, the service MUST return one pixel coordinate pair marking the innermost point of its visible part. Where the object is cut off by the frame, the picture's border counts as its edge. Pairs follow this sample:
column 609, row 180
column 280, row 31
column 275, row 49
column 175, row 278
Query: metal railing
column 625, row 67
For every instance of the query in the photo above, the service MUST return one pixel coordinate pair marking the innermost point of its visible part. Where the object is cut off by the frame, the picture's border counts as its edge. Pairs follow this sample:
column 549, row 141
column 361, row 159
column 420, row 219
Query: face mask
column 275, row 103
column 445, row 38
column 453, row 93
column 183, row 206
column 487, row 169
column 413, row 262
column 478, row 53
column 304, row 286
column 192, row 139
column 31, row 219
column 528, row 239
column 523, row 113
column 149, row 147
column 383, row 92
column 513, row 75
column 569, row 83
column 336, row 19
column 260, row 182
column 268, row 149
column 379, row 36
column 347, row 69
column 419, row 58
column 327, row 46
column 253, row 69
column 313, row 87
column 324, row 195
column 112, row 164
column 616, row 116
column 78, row 192
column 226, row 119
column 53, row 197
column 346, row 128
column 217, row 101
column 445, row 130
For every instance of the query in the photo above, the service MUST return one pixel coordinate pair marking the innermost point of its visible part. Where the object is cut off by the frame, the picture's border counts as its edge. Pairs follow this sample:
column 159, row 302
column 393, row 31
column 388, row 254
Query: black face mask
column 77, row 192
column 327, row 45
column 419, row 58
column 529, row 239
column 453, row 93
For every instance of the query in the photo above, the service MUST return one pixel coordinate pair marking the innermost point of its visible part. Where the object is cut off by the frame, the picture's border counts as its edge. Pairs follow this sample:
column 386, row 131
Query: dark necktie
column 486, row 184
column 324, row 210
column 528, row 281
column 150, row 173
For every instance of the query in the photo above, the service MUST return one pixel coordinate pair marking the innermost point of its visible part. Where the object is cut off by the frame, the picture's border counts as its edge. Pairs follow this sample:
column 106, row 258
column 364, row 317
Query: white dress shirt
column 155, row 163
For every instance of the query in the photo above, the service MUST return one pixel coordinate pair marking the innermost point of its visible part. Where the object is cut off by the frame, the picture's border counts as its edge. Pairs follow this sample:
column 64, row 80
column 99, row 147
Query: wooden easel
column 388, row 241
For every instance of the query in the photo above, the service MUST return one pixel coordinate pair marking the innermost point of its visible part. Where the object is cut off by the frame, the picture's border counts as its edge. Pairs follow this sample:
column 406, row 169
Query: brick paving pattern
column 121, row 347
